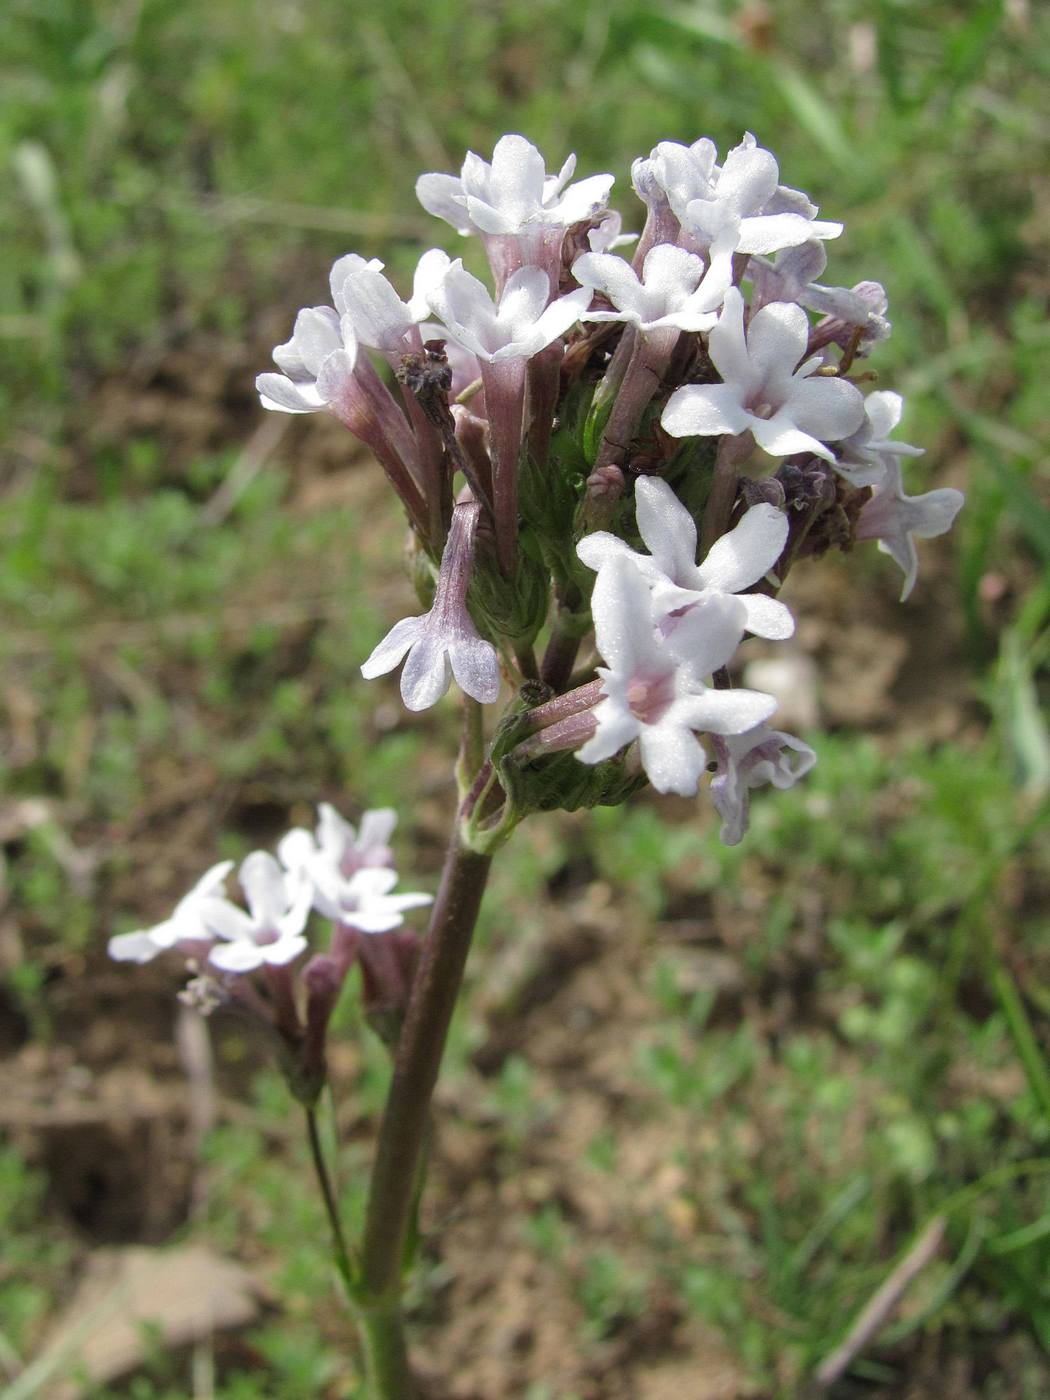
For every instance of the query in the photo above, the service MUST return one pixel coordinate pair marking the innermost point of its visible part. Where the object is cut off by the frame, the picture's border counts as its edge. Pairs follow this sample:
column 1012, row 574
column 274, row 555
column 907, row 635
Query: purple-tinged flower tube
column 749, row 760
column 652, row 687
column 521, row 212
column 324, row 370
column 505, row 336
column 735, row 562
column 187, row 929
column 897, row 520
column 444, row 642
column 785, row 409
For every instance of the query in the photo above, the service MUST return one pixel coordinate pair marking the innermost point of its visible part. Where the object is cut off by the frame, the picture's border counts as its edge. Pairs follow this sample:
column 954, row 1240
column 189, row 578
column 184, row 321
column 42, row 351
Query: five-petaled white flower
column 337, row 845
column 444, row 642
column 749, row 760
column 735, row 562
column 271, row 932
column 676, row 291
column 785, row 409
column 651, row 686
column 317, row 364
column 186, row 928
column 514, row 194
column 518, row 326
column 897, row 520
column 740, row 201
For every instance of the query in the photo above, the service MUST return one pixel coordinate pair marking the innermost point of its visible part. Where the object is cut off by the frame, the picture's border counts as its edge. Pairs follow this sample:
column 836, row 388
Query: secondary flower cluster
column 557, row 441
column 344, row 875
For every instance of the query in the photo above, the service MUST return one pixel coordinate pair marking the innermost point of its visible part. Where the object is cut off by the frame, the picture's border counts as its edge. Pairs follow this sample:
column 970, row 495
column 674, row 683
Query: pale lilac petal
column 583, row 199
column 776, row 341
column 621, row 608
column 225, row 920
column 137, row 947
column 283, row 951
column 767, row 617
column 428, row 672
column 609, row 274
column 672, row 757
column 442, row 196
column 523, row 301
column 616, row 727
column 706, row 636
column 378, row 315
column 830, row 409
column 747, row 552
column 726, row 343
column 265, row 891
column 766, row 233
column 430, row 272
column 376, row 827
column 666, row 527
column 341, row 270
column 280, row 395
column 335, row 375
column 240, row 956
column 392, row 649
column 475, row 666
column 725, row 711
column 703, row 410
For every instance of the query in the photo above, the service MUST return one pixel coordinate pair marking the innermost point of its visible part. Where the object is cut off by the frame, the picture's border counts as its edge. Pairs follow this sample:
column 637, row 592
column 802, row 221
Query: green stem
column 331, row 1205
column 403, row 1132
column 386, row 1355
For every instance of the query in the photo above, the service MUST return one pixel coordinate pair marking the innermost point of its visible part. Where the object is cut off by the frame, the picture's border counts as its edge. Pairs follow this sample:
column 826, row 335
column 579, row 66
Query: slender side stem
column 331, row 1205
column 403, row 1132
column 473, row 742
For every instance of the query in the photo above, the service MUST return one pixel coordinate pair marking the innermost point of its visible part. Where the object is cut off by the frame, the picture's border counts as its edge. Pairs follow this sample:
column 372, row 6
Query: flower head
column 784, row 408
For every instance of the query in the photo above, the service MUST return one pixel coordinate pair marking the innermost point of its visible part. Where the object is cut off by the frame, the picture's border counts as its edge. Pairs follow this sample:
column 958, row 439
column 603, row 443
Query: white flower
column 897, row 520
column 337, row 845
column 735, row 562
column 378, row 315
column 317, row 364
column 348, row 872
column 862, row 457
column 186, row 925
column 740, row 200
column 651, row 687
column 746, row 761
column 676, row 291
column 271, row 932
column 444, row 642
column 519, row 326
column 514, row 194
column 785, row 409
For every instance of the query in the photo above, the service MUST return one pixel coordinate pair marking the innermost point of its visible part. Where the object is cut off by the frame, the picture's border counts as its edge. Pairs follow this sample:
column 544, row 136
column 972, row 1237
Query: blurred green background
column 700, row 1100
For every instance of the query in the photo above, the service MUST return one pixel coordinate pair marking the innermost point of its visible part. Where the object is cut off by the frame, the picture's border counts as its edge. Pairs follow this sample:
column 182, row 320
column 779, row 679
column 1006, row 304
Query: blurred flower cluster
column 342, row 874
column 620, row 457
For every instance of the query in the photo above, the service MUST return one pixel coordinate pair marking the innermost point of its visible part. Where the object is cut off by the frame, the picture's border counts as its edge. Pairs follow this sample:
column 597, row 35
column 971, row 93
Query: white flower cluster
column 716, row 329
column 343, row 874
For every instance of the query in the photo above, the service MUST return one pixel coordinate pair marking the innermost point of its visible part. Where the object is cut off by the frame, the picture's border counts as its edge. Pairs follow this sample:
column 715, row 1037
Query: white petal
column 296, row 848
column 137, row 947
column 341, row 270
column 392, row 649
column 442, row 196
column 428, row 671
column 622, row 612
column 265, row 891
column 706, row 636
column 224, row 920
column 597, row 549
column 616, row 727
column 767, row 617
column 727, row 711
column 667, row 528
column 829, row 409
column 672, row 758
column 475, row 666
column 284, row 950
column 237, row 957
column 279, row 394
column 747, row 552
column 703, row 410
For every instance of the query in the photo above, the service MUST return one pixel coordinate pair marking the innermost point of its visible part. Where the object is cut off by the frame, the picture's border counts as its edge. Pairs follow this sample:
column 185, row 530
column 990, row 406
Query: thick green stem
column 403, row 1132
column 386, row 1355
